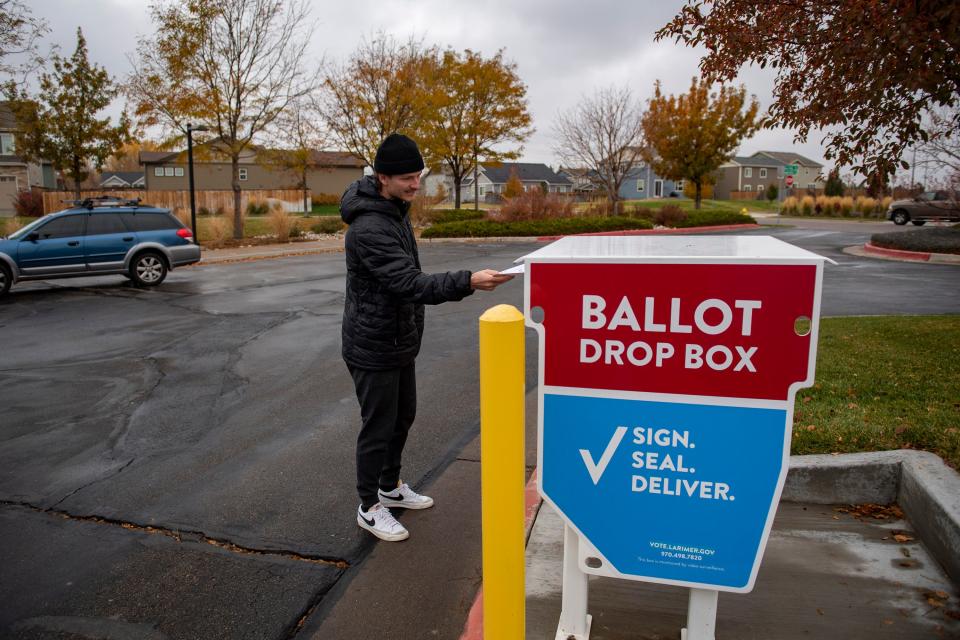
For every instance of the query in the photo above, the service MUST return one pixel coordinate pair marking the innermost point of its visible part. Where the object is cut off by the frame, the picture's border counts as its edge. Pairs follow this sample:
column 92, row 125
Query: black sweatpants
column 388, row 406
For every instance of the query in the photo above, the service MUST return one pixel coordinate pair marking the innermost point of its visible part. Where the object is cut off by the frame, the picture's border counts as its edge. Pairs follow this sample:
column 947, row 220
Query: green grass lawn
column 325, row 210
column 883, row 383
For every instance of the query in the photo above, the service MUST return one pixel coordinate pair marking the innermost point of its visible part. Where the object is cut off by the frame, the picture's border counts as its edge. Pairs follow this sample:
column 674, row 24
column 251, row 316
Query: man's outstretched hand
column 488, row 279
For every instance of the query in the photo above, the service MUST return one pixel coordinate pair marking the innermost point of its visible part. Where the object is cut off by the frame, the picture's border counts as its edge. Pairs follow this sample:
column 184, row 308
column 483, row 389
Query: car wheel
column 148, row 269
column 919, row 223
column 6, row 279
column 900, row 217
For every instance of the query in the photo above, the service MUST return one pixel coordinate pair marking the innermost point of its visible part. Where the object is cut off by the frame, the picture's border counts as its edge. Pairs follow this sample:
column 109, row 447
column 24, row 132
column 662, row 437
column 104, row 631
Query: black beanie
column 397, row 155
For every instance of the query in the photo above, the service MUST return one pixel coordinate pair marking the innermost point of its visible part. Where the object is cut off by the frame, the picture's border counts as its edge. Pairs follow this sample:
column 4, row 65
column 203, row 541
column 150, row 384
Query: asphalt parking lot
column 178, row 463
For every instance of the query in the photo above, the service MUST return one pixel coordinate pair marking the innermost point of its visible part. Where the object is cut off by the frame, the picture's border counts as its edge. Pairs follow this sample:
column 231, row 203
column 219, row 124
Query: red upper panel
column 723, row 330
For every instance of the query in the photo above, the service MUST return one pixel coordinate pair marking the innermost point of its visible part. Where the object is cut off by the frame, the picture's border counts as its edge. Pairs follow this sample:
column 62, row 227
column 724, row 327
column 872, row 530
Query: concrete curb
column 920, row 482
column 872, row 251
column 473, row 629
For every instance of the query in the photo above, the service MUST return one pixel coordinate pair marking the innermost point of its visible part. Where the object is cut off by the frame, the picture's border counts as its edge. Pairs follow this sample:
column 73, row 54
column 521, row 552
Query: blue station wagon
column 99, row 236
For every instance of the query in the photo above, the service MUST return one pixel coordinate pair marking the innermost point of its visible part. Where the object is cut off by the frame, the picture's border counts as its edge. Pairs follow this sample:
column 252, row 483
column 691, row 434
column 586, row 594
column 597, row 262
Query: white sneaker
column 381, row 523
column 405, row 498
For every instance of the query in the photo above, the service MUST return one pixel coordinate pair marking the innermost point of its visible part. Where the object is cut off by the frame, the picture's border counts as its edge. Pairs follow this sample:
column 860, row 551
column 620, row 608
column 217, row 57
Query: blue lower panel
column 685, row 492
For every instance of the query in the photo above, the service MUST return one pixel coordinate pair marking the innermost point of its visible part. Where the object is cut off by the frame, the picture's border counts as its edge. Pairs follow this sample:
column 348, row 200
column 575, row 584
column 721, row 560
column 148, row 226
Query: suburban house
column 743, row 175
column 581, row 179
column 330, row 172
column 748, row 174
column 16, row 173
column 641, row 182
column 809, row 175
column 492, row 179
column 122, row 180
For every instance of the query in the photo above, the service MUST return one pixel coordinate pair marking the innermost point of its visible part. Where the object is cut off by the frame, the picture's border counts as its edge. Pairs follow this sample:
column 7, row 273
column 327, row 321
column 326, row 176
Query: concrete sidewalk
column 829, row 571
column 826, row 574
column 331, row 244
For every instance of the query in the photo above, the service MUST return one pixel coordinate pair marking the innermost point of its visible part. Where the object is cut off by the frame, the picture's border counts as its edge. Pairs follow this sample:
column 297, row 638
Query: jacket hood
column 363, row 196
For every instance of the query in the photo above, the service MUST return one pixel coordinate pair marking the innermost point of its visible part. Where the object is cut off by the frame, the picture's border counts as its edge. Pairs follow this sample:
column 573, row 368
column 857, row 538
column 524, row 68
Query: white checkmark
column 596, row 469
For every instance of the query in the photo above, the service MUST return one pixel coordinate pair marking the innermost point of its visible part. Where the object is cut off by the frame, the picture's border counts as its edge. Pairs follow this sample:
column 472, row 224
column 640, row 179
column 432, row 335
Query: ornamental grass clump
column 220, row 228
column 806, row 205
column 281, row 222
column 790, row 206
column 865, row 206
column 846, row 206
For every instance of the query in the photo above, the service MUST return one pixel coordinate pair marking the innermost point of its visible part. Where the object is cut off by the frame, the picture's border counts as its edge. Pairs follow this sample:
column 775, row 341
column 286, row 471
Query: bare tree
column 231, row 65
column 299, row 138
column 603, row 135
column 940, row 153
column 20, row 32
column 376, row 92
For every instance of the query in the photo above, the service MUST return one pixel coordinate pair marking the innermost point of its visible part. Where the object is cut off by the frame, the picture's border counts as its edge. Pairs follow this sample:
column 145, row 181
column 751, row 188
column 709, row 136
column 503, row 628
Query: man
column 383, row 325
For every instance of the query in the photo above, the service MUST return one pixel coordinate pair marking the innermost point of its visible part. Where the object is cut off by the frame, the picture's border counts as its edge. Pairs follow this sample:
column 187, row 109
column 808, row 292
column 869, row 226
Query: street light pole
column 193, row 199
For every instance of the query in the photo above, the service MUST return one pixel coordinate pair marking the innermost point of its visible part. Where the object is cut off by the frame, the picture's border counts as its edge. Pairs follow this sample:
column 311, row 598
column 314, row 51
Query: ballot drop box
column 668, row 367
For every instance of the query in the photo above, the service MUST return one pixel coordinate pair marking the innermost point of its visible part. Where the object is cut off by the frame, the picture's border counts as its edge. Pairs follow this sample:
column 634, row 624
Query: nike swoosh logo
column 370, row 522
column 596, row 469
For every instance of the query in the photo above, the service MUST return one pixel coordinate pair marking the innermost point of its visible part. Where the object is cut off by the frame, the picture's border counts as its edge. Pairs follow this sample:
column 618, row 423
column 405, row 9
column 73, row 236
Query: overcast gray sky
column 563, row 48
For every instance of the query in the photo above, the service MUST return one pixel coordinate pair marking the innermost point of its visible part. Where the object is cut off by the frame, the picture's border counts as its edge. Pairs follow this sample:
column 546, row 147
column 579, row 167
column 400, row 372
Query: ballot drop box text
column 668, row 367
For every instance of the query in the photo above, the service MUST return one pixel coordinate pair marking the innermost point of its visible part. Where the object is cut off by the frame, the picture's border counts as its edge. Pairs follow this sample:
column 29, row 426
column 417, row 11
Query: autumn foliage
column 689, row 136
column 864, row 71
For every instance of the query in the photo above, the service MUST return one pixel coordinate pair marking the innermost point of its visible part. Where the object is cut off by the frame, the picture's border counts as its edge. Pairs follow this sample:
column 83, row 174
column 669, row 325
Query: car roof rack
column 104, row 201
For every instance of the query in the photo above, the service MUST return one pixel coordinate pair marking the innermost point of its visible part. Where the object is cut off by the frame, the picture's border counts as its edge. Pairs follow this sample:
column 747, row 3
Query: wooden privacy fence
column 179, row 201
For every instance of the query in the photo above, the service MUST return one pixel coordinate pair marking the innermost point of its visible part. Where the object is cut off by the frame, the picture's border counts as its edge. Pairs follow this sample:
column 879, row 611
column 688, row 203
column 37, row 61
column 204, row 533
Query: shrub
column 936, row 240
column 328, row 226
column 203, row 211
column 325, row 198
column 884, row 204
column 821, row 205
column 548, row 227
column 806, row 205
column 536, row 205
column 670, row 216
column 790, row 206
column 258, row 208
column 713, row 218
column 603, row 207
column 439, row 216
column 28, row 204
column 513, row 188
column 772, row 192
column 281, row 222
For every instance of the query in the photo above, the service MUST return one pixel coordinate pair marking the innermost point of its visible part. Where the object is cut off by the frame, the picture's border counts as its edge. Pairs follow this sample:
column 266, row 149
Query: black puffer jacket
column 386, row 291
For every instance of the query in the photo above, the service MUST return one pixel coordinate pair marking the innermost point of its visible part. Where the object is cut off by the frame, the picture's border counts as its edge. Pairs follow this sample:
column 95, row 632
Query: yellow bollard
column 502, row 471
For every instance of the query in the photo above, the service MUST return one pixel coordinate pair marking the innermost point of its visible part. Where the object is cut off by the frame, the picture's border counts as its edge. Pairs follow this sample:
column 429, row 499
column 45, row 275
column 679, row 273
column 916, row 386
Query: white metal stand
column 574, row 621
column 701, row 615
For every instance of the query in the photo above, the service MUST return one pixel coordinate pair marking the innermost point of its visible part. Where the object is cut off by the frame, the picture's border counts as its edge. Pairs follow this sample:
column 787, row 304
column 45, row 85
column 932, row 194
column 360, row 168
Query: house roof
column 500, row 172
column 129, row 177
column 788, row 157
column 317, row 157
column 752, row 161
